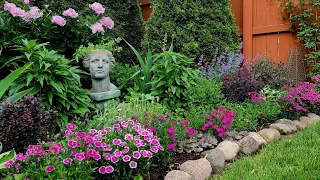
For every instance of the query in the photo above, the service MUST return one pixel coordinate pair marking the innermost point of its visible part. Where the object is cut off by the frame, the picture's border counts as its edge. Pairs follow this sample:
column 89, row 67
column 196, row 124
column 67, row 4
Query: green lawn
column 295, row 157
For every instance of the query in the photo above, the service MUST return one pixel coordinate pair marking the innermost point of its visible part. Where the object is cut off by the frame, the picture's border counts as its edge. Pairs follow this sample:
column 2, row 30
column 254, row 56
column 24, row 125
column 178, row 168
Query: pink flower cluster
column 256, row 97
column 32, row 14
column 302, row 97
column 70, row 12
column 224, row 117
column 99, row 26
column 129, row 143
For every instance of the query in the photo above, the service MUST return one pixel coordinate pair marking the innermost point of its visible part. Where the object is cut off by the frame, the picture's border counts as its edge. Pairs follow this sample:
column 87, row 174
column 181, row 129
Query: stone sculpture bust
column 100, row 62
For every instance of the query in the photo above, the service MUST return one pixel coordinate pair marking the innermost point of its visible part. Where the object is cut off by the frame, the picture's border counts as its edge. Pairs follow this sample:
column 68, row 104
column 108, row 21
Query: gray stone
column 238, row 137
column 289, row 123
column 216, row 159
column 177, row 175
column 257, row 137
column 314, row 117
column 249, row 145
column 282, row 128
column 300, row 125
column 270, row 134
column 230, row 149
column 306, row 120
column 198, row 169
column 243, row 133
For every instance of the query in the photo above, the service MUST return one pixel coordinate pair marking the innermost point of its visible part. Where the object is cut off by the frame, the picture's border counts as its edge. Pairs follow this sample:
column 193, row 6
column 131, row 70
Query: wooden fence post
column 247, row 28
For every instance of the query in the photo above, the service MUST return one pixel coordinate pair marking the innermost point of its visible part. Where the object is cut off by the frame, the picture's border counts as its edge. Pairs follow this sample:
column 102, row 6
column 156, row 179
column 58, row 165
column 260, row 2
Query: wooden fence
column 263, row 26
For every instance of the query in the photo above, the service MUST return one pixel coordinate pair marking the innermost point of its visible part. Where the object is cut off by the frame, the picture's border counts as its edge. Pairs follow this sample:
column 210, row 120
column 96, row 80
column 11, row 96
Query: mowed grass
column 296, row 157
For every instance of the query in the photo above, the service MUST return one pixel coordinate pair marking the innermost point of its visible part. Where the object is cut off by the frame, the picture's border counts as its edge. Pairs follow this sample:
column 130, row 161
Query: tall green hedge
column 125, row 13
column 196, row 27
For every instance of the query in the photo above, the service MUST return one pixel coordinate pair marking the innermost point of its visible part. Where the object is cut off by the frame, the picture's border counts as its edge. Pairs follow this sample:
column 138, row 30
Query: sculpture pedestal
column 100, row 100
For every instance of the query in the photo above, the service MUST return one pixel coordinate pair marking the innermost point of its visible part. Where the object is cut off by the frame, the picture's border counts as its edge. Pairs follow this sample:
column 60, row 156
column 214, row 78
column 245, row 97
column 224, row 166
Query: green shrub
column 205, row 92
column 125, row 13
column 196, row 27
column 52, row 77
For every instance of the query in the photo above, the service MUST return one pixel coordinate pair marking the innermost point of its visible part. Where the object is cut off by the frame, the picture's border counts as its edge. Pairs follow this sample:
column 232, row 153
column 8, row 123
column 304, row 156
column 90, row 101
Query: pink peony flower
column 26, row 2
column 133, row 164
column 8, row 6
column 49, row 168
column 8, row 163
column 67, row 161
column 61, row 22
column 97, row 8
column 126, row 158
column 107, row 22
column 71, row 13
column 17, row 12
column 80, row 156
column 102, row 170
column 109, row 169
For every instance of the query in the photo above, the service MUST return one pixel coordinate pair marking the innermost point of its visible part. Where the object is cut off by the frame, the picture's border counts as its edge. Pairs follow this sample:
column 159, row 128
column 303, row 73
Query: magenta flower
column 152, row 129
column 67, row 161
column 174, row 122
column 146, row 114
column 125, row 150
column 185, row 123
column 117, row 153
column 136, row 155
column 171, row 131
column 97, row 8
column 107, row 156
column 102, row 170
column 128, row 137
column 116, row 141
column 89, row 139
column 72, row 144
column 80, row 135
column 191, row 132
column 262, row 113
column 155, row 142
column 93, row 131
column 8, row 163
column 68, row 133
column 154, row 115
column 126, row 158
column 124, row 124
column 118, row 118
column 154, row 149
column 149, row 154
column 109, row 169
column 49, row 169
column 116, row 126
column 59, row 21
column 107, row 22
column 172, row 147
column 108, row 148
column 71, row 13
column 21, row 157
column 135, row 118
column 97, row 27
column 133, row 164
column 80, row 156
column 114, row 159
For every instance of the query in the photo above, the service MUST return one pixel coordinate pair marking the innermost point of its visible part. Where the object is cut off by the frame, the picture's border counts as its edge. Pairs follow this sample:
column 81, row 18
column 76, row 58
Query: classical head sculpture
column 99, row 62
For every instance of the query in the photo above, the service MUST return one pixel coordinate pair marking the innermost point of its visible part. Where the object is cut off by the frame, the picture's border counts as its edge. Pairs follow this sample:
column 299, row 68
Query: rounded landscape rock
column 289, row 123
column 257, row 137
column 248, row 145
column 177, row 175
column 270, row 134
column 282, row 128
column 198, row 169
column 307, row 120
column 216, row 159
column 230, row 149
column 314, row 117
column 300, row 125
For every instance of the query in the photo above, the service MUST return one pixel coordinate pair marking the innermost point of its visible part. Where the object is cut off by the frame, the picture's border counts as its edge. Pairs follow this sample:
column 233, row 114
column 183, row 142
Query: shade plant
column 117, row 152
column 52, row 77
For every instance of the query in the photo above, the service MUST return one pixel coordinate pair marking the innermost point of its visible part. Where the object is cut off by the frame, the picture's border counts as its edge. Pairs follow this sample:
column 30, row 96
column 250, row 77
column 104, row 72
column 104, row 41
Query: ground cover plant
column 292, row 158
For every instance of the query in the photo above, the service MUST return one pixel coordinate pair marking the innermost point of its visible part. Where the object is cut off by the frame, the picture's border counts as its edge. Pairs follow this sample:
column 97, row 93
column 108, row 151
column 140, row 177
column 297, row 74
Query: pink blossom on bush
column 59, row 21
column 107, row 22
column 72, row 144
column 71, row 13
column 107, row 156
column 8, row 6
column 21, row 157
column 49, row 168
column 133, row 164
column 109, row 169
column 114, row 159
column 80, row 156
column 102, row 170
column 26, row 1
column 67, row 161
column 135, row 118
column 34, row 13
column 126, row 158
column 97, row 8
column 136, row 155
column 8, row 163
column 185, row 123
column 17, row 12
column 172, row 147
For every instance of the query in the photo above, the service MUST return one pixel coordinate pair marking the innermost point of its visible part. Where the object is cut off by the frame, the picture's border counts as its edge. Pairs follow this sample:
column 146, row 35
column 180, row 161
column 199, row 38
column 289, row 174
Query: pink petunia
column 108, row 22
column 71, row 13
column 49, row 168
column 61, row 22
column 97, row 8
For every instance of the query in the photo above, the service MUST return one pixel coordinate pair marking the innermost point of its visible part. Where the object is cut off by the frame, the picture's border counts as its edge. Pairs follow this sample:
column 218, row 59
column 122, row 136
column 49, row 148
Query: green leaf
column 161, row 83
column 5, row 83
column 19, row 176
column 29, row 78
column 41, row 78
column 18, row 95
column 56, row 86
column 50, row 96
column 6, row 156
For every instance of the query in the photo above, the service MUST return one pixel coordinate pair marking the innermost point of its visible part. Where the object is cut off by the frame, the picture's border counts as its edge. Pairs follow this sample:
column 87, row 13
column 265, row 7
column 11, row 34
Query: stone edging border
column 215, row 159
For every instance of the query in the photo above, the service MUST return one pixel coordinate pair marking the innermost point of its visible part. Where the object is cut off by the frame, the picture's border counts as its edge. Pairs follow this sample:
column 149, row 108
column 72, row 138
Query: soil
column 159, row 172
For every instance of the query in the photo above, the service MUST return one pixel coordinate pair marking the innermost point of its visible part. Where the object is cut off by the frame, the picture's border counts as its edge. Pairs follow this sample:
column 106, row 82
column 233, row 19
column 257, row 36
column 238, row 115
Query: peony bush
column 118, row 152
